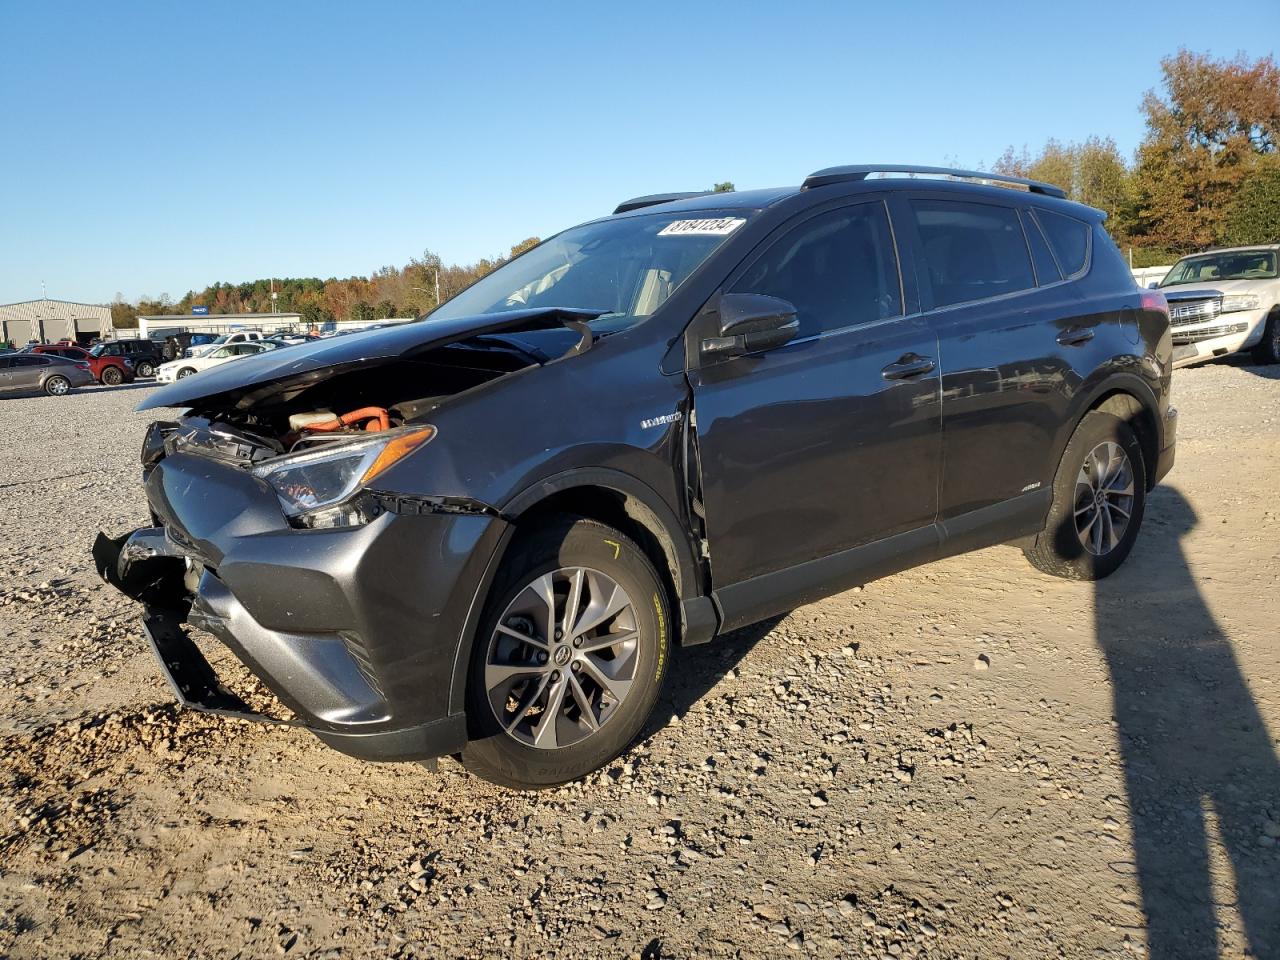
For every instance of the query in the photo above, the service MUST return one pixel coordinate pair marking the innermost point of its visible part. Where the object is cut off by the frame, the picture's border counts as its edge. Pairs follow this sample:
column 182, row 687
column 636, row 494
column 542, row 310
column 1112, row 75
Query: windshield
column 1240, row 265
column 626, row 268
column 98, row 349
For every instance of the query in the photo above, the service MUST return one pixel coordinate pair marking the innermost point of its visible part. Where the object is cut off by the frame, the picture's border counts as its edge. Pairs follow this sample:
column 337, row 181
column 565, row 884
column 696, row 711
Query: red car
column 108, row 370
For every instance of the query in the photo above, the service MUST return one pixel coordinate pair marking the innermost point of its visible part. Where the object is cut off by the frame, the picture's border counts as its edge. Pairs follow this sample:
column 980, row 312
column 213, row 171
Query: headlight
column 1239, row 301
column 319, row 488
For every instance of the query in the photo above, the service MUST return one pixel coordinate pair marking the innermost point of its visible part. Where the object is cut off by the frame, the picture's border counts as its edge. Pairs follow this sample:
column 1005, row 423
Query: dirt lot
column 970, row 759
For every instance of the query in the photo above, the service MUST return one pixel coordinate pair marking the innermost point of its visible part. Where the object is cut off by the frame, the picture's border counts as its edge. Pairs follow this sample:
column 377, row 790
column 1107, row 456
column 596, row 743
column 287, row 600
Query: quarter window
column 973, row 251
column 838, row 269
column 1069, row 239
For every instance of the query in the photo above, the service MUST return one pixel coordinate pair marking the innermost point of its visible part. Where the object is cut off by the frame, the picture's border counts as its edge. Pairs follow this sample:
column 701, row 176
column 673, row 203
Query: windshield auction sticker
column 719, row 227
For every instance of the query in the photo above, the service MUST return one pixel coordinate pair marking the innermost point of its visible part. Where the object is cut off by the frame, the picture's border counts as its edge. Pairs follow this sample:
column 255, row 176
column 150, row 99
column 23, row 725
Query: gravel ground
column 968, row 759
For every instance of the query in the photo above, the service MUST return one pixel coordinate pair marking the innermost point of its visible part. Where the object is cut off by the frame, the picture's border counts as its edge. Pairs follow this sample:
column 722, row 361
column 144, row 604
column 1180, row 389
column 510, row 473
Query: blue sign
column 200, row 311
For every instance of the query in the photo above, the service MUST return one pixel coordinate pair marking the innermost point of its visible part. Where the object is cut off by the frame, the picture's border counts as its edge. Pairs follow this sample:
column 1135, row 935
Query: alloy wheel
column 1104, row 498
column 562, row 658
column 58, row 386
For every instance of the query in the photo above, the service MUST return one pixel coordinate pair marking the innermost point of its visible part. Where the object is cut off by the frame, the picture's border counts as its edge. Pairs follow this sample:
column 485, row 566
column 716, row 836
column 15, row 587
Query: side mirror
column 1153, row 285
column 751, row 323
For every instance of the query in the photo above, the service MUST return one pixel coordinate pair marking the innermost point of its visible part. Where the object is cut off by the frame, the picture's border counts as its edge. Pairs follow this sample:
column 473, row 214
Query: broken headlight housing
column 324, row 486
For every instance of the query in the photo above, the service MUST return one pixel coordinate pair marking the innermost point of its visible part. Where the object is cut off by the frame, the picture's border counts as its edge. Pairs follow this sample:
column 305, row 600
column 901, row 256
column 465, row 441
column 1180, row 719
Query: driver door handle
column 912, row 365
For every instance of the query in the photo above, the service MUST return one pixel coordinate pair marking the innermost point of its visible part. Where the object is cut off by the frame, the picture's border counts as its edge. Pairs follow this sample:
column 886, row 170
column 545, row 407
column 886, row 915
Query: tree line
column 1206, row 173
column 389, row 292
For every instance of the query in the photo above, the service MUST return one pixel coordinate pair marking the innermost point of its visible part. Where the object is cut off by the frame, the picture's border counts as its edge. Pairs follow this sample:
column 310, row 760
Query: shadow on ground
column 1200, row 766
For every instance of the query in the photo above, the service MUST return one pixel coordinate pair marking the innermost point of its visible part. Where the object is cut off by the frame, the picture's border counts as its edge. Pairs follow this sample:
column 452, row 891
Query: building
column 164, row 325
column 49, row 321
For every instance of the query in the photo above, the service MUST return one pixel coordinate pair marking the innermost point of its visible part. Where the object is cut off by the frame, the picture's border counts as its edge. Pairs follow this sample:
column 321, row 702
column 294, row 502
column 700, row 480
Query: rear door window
column 972, row 251
column 1069, row 239
column 838, row 269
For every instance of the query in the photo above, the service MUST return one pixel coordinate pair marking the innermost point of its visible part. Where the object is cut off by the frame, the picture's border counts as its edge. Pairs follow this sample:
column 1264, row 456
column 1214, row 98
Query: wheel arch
column 1129, row 398
column 622, row 502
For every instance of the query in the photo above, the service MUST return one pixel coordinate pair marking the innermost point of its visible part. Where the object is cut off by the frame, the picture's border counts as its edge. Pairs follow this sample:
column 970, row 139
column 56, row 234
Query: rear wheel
column 569, row 659
column 1268, row 348
column 112, row 376
column 146, row 368
column 1099, row 495
column 57, row 386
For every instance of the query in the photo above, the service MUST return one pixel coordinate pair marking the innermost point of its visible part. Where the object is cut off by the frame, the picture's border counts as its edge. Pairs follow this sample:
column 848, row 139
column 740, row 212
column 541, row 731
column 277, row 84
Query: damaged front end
column 271, row 529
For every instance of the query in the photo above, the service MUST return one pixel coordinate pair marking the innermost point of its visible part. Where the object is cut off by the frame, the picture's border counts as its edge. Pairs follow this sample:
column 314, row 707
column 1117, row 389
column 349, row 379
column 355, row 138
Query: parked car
column 56, row 376
column 144, row 354
column 481, row 534
column 110, row 370
column 176, row 345
column 240, row 336
column 181, row 369
column 1223, row 302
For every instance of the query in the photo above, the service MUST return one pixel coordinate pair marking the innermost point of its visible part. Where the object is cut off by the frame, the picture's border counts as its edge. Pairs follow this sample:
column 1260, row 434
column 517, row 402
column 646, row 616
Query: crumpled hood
column 285, row 368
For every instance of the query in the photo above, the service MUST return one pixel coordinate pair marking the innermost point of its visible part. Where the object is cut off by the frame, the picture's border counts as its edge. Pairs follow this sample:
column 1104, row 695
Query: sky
column 157, row 148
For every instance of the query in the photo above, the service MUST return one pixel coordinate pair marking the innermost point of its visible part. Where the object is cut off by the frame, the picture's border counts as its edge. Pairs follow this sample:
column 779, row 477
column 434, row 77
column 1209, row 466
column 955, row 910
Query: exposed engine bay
column 343, row 405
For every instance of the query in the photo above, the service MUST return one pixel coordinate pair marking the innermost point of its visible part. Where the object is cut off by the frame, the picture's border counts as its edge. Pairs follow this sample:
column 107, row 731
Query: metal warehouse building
column 52, row 320
column 161, row 325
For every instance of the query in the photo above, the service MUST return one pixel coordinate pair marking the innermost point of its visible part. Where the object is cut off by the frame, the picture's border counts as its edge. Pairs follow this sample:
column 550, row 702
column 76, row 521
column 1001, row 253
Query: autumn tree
column 1207, row 132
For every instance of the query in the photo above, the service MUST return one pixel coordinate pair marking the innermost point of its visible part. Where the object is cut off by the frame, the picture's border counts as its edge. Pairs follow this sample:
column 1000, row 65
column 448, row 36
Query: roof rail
column 861, row 171
column 635, row 203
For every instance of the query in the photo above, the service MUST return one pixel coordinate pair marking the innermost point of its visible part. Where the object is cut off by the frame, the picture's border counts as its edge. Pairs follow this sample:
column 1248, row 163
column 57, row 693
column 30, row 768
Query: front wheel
column 185, row 372
column 569, row 658
column 1268, row 348
column 1099, row 495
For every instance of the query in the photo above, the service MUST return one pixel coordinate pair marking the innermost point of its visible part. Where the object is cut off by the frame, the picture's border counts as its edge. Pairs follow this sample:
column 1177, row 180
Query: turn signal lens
column 397, row 450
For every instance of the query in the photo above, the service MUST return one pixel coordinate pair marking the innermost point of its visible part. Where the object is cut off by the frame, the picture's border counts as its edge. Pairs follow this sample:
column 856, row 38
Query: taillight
column 1154, row 300
column 83, row 365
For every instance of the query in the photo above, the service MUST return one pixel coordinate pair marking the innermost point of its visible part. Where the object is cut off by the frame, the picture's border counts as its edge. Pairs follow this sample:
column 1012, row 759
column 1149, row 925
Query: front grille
column 1209, row 333
column 1194, row 311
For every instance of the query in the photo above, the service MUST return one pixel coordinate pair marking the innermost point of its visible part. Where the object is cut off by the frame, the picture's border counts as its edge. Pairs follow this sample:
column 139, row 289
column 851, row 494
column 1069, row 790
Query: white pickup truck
column 1225, row 301
column 239, row 336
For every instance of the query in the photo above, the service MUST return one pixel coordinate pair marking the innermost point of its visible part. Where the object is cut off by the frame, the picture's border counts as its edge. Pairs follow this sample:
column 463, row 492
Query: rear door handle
column 1075, row 336
column 909, row 366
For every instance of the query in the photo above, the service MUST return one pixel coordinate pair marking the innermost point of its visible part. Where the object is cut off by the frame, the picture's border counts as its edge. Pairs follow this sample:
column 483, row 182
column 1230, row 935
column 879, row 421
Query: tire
column 146, row 369
column 1104, row 448
column 512, row 682
column 112, row 376
column 1267, row 350
column 185, row 372
column 57, row 386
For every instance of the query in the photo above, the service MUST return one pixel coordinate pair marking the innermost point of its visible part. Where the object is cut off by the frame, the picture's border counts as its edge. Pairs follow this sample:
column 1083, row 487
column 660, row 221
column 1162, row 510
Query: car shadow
column 1199, row 764
column 696, row 670
column 1244, row 361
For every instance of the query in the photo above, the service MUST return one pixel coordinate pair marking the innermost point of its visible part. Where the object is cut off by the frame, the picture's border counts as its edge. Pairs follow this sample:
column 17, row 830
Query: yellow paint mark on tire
column 617, row 548
column 662, row 638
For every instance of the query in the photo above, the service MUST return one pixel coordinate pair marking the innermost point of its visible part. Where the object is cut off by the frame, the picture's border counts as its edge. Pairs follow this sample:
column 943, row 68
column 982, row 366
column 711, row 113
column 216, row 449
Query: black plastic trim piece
column 653, row 199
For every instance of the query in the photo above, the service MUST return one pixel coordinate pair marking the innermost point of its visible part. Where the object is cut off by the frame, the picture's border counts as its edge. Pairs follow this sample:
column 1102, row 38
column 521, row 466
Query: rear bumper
column 357, row 631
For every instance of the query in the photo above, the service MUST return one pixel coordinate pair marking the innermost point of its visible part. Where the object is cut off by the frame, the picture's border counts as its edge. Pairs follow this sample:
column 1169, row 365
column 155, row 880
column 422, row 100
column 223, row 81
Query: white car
column 240, row 336
column 185, row 367
column 1223, row 302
